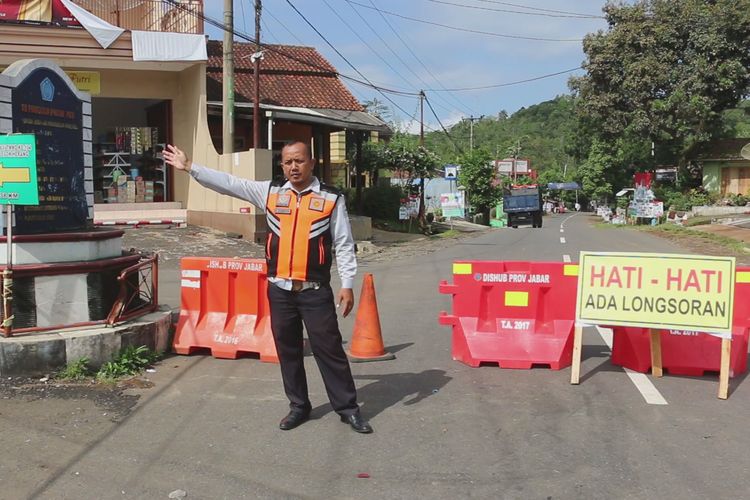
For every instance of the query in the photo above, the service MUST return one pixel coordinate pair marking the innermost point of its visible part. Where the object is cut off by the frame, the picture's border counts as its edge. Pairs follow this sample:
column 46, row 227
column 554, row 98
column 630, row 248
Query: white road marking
column 644, row 385
column 562, row 224
column 562, row 240
column 562, row 230
column 566, row 258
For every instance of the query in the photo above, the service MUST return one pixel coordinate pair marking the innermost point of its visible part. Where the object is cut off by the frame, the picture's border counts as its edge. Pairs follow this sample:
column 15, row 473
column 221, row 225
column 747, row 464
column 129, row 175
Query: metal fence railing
column 179, row 16
column 139, row 290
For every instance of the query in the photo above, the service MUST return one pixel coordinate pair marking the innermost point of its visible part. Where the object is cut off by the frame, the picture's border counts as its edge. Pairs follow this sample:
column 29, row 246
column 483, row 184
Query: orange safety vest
column 299, row 241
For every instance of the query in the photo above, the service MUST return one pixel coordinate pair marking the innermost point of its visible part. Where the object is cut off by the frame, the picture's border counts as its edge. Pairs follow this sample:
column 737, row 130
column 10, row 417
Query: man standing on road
column 306, row 220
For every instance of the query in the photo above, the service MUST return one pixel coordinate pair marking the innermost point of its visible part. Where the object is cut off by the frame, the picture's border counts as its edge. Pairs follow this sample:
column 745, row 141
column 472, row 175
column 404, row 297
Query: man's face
column 297, row 165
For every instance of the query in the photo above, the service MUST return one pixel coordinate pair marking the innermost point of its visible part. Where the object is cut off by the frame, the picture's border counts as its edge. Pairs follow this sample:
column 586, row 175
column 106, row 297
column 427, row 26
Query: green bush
column 737, row 200
column 382, row 202
column 699, row 196
column 682, row 201
column 129, row 361
column 77, row 370
column 349, row 194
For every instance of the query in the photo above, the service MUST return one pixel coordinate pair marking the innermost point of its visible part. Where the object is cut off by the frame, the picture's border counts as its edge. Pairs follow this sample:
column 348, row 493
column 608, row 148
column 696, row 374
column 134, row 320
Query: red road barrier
column 689, row 353
column 224, row 307
column 682, row 352
column 517, row 314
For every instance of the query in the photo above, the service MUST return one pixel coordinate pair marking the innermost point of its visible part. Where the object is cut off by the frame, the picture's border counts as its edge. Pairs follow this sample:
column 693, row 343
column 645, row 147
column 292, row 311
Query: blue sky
column 436, row 58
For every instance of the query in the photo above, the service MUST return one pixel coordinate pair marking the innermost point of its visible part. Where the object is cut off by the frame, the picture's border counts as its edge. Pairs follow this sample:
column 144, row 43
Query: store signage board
column 36, row 12
column 86, row 81
column 662, row 291
column 18, row 182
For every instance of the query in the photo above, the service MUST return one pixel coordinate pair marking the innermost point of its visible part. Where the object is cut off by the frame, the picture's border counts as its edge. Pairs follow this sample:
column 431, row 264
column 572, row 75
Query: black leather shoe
column 293, row 419
column 358, row 423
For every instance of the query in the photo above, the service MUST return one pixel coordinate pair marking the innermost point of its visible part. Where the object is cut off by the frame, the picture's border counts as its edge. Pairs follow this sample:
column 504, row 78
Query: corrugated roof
column 721, row 149
column 290, row 76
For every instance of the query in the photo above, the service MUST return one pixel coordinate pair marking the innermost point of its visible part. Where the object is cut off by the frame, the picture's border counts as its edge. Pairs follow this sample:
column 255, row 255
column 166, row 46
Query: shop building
column 154, row 80
column 725, row 170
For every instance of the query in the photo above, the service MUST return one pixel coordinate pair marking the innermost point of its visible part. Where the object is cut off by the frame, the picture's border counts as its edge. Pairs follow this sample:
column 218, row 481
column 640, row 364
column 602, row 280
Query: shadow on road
column 388, row 390
column 597, row 351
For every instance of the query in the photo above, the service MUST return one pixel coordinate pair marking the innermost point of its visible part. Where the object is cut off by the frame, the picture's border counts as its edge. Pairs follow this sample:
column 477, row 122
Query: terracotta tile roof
column 290, row 76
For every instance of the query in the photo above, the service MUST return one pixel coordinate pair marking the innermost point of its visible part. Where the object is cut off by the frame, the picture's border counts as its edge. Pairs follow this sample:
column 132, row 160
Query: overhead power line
column 458, row 148
column 279, row 51
column 510, row 11
column 508, row 84
column 376, row 52
column 344, row 58
column 540, row 9
column 283, row 25
column 408, row 47
column 467, row 30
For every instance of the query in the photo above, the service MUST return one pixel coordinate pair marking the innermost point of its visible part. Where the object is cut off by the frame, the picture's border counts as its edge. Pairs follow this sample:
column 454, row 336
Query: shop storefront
column 129, row 136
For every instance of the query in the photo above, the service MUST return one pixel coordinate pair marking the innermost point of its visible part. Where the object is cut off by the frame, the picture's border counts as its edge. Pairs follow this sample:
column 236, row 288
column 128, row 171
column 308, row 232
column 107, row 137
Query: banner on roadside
column 452, row 204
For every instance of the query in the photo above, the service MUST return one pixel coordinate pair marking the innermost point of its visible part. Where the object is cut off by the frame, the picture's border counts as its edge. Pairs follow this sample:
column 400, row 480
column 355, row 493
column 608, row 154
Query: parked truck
column 523, row 205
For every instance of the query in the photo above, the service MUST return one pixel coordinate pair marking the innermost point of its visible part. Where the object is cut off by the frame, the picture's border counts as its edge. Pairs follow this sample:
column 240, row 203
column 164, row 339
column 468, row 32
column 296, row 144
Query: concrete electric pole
column 227, row 118
column 471, row 129
column 256, row 76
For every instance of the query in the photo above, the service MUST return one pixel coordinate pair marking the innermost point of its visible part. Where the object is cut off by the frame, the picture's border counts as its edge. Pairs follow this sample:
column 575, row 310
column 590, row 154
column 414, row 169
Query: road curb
column 48, row 352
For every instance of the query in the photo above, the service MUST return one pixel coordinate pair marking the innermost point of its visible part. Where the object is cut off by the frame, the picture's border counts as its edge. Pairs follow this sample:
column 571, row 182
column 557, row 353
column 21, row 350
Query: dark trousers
column 316, row 309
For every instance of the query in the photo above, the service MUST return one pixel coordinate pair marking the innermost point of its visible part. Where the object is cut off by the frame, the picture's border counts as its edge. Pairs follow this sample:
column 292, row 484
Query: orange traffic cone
column 367, row 341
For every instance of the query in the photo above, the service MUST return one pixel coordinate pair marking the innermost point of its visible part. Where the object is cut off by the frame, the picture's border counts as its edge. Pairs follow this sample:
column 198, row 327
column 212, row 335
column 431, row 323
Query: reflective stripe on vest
column 299, row 234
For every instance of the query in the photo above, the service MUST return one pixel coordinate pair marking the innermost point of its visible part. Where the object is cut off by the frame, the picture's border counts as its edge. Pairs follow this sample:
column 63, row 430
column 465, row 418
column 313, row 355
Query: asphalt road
column 443, row 430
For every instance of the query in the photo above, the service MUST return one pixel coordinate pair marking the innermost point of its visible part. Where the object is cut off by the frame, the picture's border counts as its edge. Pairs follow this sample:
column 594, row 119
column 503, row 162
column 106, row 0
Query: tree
column 418, row 162
column 594, row 172
column 664, row 71
column 378, row 108
column 372, row 155
column 477, row 175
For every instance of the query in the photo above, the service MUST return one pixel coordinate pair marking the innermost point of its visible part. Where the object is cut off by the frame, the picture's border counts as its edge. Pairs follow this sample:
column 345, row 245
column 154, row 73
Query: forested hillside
column 540, row 132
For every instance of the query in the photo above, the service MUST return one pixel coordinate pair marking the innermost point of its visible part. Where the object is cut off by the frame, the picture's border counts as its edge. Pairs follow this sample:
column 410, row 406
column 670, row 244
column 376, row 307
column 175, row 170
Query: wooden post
column 575, row 369
column 726, row 351
column 656, row 366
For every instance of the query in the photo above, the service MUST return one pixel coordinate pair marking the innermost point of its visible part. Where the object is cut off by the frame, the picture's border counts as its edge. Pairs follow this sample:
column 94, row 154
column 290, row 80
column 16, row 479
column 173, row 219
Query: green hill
column 543, row 132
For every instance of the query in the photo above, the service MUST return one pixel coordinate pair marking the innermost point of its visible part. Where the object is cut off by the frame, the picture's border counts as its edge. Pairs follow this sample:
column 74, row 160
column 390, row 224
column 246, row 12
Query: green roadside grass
column 674, row 231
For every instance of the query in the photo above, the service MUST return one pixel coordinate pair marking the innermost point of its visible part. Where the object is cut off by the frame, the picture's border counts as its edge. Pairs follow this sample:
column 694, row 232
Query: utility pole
column 516, row 152
column 421, row 117
column 471, row 129
column 256, row 77
column 228, row 79
column 420, row 214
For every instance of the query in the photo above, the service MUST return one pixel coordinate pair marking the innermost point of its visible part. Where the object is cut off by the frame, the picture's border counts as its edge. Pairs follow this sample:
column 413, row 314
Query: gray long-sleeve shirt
column 256, row 193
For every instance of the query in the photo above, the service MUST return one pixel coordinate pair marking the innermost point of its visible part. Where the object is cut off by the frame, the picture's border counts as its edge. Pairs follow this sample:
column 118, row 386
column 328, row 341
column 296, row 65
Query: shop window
column 129, row 167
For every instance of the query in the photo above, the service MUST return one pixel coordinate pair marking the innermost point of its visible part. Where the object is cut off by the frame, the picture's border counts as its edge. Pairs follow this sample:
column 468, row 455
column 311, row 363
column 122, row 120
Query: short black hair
column 292, row 142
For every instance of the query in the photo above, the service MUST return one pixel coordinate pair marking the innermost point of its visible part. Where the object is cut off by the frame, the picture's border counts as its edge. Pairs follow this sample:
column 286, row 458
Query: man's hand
column 176, row 157
column 346, row 297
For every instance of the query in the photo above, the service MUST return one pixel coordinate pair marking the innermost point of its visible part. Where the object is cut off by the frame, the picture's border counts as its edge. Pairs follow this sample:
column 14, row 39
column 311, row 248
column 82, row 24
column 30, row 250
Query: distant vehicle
column 523, row 204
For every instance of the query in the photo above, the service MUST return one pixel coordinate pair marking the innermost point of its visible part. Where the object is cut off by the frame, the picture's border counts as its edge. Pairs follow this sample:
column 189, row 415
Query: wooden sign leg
column 726, row 351
column 656, row 366
column 575, row 369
